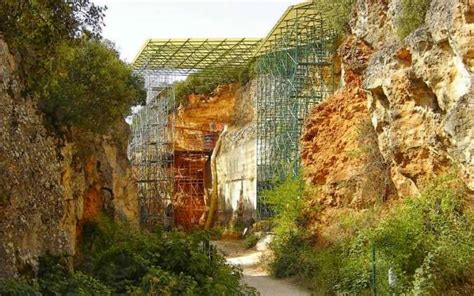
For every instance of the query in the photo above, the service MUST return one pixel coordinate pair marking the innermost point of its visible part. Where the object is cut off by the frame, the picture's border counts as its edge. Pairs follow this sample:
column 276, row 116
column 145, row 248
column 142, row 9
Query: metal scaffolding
column 151, row 151
column 171, row 180
column 294, row 71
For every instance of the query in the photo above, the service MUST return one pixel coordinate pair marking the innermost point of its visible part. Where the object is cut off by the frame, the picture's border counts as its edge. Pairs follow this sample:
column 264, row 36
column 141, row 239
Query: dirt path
column 254, row 274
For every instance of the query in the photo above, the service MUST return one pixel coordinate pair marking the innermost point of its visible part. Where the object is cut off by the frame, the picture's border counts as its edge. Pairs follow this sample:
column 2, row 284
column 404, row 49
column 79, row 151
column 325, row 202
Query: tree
column 91, row 87
column 35, row 29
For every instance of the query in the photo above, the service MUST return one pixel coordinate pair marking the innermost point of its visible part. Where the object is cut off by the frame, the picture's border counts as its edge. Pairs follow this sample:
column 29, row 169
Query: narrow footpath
column 254, row 274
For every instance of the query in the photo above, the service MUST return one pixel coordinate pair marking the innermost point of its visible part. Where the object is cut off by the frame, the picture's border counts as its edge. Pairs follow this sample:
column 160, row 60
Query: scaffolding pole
column 151, row 151
column 294, row 72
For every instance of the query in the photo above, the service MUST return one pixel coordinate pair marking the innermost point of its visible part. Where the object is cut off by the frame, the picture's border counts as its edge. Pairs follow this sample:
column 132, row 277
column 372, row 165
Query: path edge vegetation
column 425, row 242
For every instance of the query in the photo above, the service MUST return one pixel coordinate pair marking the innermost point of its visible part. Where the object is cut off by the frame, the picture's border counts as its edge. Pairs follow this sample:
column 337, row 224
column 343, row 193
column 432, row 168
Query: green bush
column 286, row 202
column 92, row 88
column 203, row 83
column 54, row 279
column 116, row 259
column 337, row 14
column 251, row 240
column 19, row 287
column 128, row 260
column 426, row 242
column 412, row 16
column 79, row 80
column 35, row 30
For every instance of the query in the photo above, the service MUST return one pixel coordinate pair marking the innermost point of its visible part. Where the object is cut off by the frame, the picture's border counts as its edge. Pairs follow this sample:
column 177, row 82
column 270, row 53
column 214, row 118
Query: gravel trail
column 254, row 274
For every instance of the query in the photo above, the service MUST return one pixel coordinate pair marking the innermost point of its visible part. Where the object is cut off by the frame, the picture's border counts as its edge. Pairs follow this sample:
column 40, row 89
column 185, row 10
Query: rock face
column 233, row 106
column 237, row 162
column 31, row 195
column 421, row 98
column 339, row 146
column 417, row 94
column 48, row 186
column 98, row 183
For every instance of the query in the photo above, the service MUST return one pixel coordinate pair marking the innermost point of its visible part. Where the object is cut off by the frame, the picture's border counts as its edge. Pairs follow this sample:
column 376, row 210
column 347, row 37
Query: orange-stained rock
column 203, row 115
column 339, row 147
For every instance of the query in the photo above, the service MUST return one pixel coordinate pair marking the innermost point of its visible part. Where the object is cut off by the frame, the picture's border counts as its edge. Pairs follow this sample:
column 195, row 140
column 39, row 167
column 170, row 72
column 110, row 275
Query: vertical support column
column 296, row 52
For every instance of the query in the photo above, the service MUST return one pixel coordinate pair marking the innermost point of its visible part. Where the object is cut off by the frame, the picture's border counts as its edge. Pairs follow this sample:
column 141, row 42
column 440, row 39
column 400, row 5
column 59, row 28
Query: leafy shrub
column 412, row 16
column 286, row 201
column 159, row 282
column 19, row 287
column 429, row 239
column 129, row 260
column 79, row 80
column 426, row 242
column 203, row 83
column 92, row 89
column 35, row 30
column 251, row 240
column 117, row 259
column 337, row 13
column 54, row 279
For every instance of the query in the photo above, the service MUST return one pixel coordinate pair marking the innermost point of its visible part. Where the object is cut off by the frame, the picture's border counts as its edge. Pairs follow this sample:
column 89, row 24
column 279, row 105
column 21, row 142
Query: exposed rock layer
column 339, row 146
column 417, row 93
column 421, row 98
column 48, row 186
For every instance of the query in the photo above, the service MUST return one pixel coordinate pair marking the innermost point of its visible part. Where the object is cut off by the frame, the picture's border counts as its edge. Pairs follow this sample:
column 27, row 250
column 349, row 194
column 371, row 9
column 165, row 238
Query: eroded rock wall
column 50, row 186
column 231, row 106
column 339, row 146
column 417, row 95
column 97, row 180
column 421, row 98
column 31, row 195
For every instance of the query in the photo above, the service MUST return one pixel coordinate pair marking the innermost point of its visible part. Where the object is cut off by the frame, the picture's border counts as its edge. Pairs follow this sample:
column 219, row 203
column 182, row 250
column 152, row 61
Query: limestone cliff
column 417, row 95
column 237, row 161
column 49, row 186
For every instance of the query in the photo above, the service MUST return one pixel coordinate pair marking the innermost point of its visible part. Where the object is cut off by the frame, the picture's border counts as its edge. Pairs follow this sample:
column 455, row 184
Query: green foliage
column 429, row 240
column 251, row 240
column 204, row 84
column 19, row 287
column 54, row 279
column 92, row 88
column 79, row 80
column 337, row 14
column 176, row 263
column 426, row 241
column 117, row 259
column 412, row 16
column 36, row 29
column 286, row 201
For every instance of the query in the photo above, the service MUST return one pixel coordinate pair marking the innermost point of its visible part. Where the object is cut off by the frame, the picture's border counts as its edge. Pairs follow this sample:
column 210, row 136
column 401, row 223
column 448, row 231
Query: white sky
column 129, row 23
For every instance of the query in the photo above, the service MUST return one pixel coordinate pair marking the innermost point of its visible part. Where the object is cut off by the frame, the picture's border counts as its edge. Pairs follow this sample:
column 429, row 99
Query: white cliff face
column 237, row 171
column 237, row 162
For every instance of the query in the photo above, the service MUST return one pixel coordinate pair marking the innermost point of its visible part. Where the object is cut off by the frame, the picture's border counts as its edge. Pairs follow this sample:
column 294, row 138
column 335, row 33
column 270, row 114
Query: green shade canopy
column 183, row 56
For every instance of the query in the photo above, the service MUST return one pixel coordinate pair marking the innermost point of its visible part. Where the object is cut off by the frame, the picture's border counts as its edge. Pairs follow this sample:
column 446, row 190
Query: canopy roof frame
column 184, row 56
